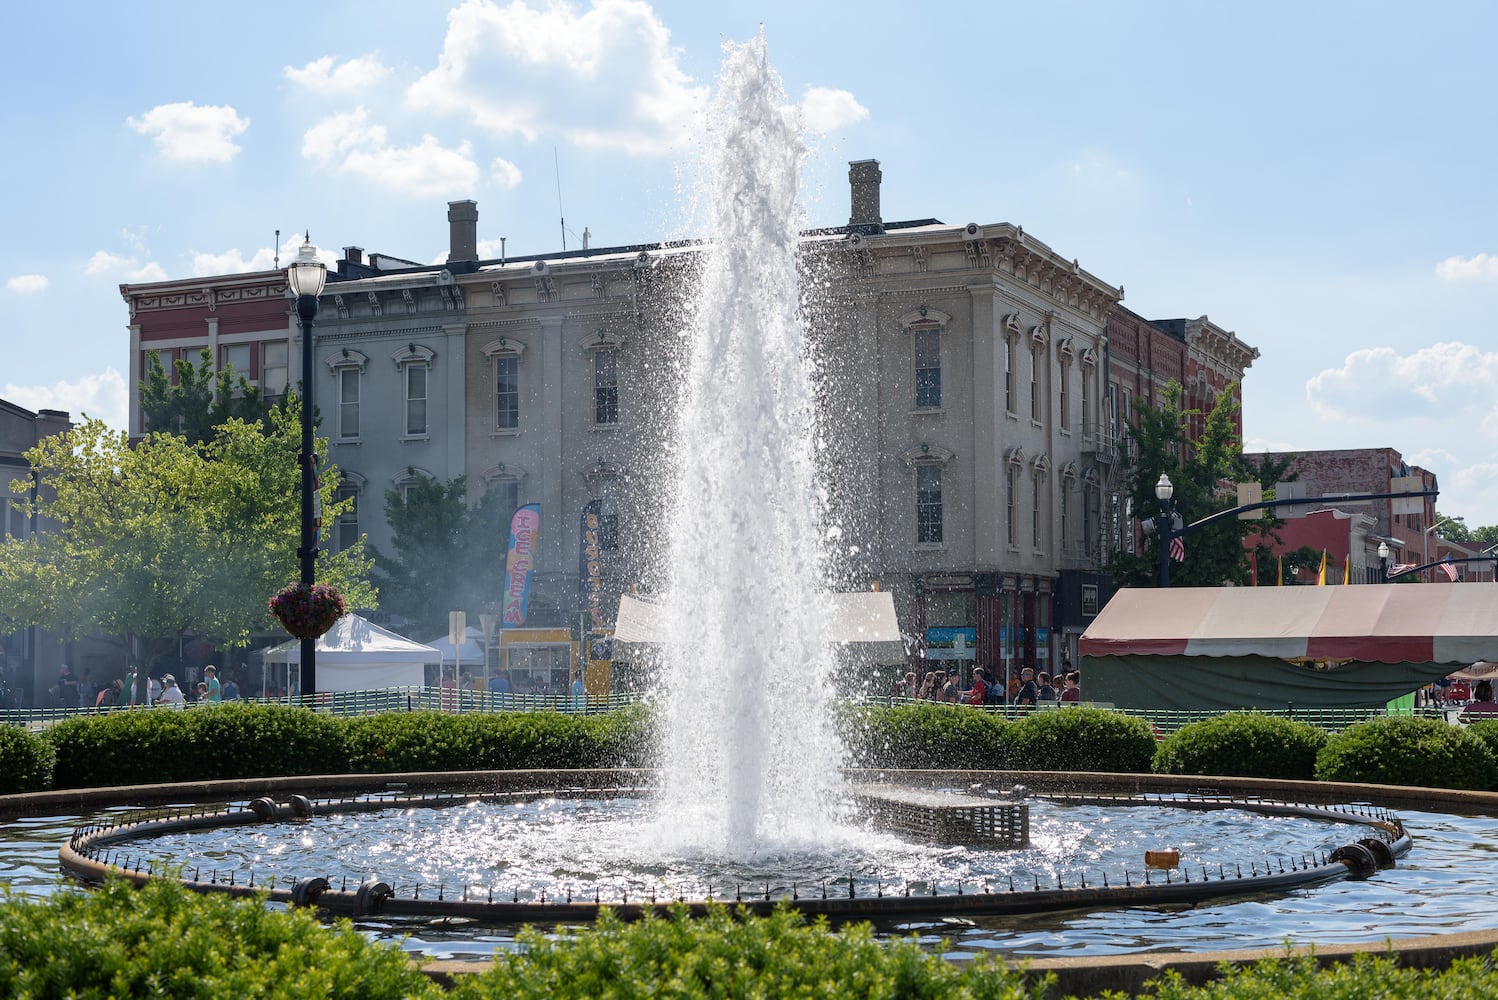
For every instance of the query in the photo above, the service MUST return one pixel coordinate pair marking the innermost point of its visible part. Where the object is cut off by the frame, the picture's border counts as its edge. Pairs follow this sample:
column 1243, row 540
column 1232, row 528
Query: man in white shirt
column 171, row 694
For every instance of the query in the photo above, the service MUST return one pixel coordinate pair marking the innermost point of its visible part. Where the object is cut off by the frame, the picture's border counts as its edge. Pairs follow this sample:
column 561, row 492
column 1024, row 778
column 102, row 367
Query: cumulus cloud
column 606, row 77
column 102, row 396
column 1481, row 267
column 130, row 268
column 1436, row 381
column 27, row 284
column 328, row 76
column 349, row 144
column 824, row 109
column 187, row 133
column 232, row 262
column 504, row 174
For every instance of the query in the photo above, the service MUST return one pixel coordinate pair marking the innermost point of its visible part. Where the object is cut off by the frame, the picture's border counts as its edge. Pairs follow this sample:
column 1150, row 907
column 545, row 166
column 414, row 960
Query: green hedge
column 941, row 736
column 232, row 740
column 1082, row 739
column 1408, row 751
column 27, row 761
column 163, row 940
column 1244, row 744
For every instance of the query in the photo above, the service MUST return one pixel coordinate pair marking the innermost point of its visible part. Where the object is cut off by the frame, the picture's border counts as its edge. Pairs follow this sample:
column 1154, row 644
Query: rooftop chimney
column 463, row 231
column 864, row 177
column 354, row 255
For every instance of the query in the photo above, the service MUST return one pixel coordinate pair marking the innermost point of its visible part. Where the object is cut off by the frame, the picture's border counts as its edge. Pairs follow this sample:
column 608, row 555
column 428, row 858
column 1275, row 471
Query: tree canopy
column 1204, row 473
column 200, row 400
column 169, row 537
column 447, row 555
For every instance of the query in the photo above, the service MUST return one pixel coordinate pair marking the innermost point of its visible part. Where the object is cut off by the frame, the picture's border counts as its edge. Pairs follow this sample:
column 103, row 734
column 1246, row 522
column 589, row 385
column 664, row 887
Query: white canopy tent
column 470, row 652
column 358, row 655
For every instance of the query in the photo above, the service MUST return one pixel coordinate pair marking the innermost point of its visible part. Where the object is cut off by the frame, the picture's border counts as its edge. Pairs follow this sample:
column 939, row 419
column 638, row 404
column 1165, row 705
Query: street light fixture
column 1384, row 552
column 306, row 275
column 1425, row 548
column 1164, row 491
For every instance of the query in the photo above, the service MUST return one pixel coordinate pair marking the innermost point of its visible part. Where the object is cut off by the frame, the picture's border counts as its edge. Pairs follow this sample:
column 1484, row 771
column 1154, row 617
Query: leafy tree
column 447, row 556
column 167, row 539
column 1204, row 473
column 1486, row 535
column 200, row 400
column 1454, row 529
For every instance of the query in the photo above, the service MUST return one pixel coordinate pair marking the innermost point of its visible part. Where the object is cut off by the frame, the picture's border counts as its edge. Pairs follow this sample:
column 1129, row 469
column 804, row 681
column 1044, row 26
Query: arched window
column 504, row 357
column 928, row 469
column 348, row 375
column 415, row 364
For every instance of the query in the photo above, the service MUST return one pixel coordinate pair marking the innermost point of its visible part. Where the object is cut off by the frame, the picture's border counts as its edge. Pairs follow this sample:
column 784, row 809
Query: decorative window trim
column 600, row 339
column 1065, row 351
column 1012, row 327
column 495, row 473
column 1039, row 334
column 1040, row 466
column 503, row 346
column 600, row 472
column 924, row 315
column 413, row 354
column 409, row 476
column 927, row 454
column 347, row 358
column 1015, row 456
column 934, row 321
column 1089, row 356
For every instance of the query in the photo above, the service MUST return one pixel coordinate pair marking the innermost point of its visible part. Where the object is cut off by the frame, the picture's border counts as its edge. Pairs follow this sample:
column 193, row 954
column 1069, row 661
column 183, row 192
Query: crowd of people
column 81, row 692
column 1030, row 687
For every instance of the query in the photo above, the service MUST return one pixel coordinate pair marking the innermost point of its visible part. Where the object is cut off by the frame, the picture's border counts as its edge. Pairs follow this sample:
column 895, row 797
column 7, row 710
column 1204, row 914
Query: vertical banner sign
column 520, row 563
column 590, row 564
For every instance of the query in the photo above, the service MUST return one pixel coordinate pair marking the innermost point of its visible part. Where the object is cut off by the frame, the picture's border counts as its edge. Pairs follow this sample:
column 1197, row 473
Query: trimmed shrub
column 409, row 741
column 1245, row 744
column 154, row 745
column 1081, row 739
column 926, row 736
column 1487, row 731
column 1407, row 751
column 163, row 940
column 26, row 761
column 721, row 956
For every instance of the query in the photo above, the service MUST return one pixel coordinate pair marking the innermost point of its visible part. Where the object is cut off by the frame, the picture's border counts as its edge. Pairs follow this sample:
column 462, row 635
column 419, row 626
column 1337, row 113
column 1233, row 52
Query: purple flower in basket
column 307, row 611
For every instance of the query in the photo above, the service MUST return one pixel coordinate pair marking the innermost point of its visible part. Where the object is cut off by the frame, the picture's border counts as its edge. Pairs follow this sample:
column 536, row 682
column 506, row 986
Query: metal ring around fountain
column 93, row 854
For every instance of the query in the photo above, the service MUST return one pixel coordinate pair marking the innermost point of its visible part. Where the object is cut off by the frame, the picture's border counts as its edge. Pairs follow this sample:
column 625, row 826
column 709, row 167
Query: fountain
column 749, row 803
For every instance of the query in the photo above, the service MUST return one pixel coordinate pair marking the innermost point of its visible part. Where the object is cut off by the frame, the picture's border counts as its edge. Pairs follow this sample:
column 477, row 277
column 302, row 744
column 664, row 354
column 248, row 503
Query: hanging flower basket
column 307, row 611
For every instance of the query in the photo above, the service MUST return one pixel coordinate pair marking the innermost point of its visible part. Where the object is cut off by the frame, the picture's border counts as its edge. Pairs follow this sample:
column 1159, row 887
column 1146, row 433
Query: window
column 507, row 497
column 273, row 369
column 1064, row 514
column 1065, row 401
column 507, row 392
column 347, row 530
column 927, row 340
column 416, row 400
column 1037, row 358
column 605, row 386
column 928, row 513
column 1112, row 412
column 1086, row 394
column 1009, row 386
column 236, row 357
column 1009, row 519
column 348, row 404
column 1035, row 512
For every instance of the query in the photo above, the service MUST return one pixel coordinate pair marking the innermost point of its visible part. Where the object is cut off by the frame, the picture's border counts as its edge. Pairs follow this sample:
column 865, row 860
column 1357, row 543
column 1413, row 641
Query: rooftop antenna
column 277, row 245
column 557, row 163
column 501, row 250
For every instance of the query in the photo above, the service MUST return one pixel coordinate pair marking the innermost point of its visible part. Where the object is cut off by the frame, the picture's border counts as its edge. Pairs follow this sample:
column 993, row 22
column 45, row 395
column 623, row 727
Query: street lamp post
column 1164, row 490
column 1425, row 549
column 1384, row 552
column 306, row 275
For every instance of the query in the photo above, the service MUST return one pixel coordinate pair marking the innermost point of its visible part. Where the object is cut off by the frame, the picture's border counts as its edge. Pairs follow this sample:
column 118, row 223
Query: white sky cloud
column 101, row 395
column 824, row 109
column 189, row 133
column 1481, row 267
column 1379, row 383
column 328, row 76
column 605, row 77
column 349, row 144
column 130, row 268
column 504, row 174
column 232, row 262
column 27, row 284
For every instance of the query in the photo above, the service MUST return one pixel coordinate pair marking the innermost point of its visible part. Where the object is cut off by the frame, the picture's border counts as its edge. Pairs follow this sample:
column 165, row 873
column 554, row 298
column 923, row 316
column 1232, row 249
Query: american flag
column 1398, row 568
column 1449, row 568
column 1178, row 549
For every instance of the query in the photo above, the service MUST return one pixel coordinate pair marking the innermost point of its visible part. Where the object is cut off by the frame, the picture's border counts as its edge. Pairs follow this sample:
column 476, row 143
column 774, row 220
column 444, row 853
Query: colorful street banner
column 947, row 643
column 590, row 564
column 520, row 564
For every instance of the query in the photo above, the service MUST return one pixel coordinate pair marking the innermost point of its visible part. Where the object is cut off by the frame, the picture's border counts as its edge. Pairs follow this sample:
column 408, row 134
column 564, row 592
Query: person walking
column 215, row 692
column 171, row 694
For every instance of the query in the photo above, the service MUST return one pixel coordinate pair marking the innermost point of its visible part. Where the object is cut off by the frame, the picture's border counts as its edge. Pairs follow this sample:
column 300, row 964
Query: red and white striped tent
column 1269, row 647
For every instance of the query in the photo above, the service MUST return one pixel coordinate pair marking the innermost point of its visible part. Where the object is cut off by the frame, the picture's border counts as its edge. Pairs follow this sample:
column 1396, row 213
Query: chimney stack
column 863, row 178
column 463, row 231
column 354, row 255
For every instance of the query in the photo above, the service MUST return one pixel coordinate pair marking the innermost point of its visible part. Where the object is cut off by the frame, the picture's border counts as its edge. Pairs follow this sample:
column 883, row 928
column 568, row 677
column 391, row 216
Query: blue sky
column 1316, row 178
